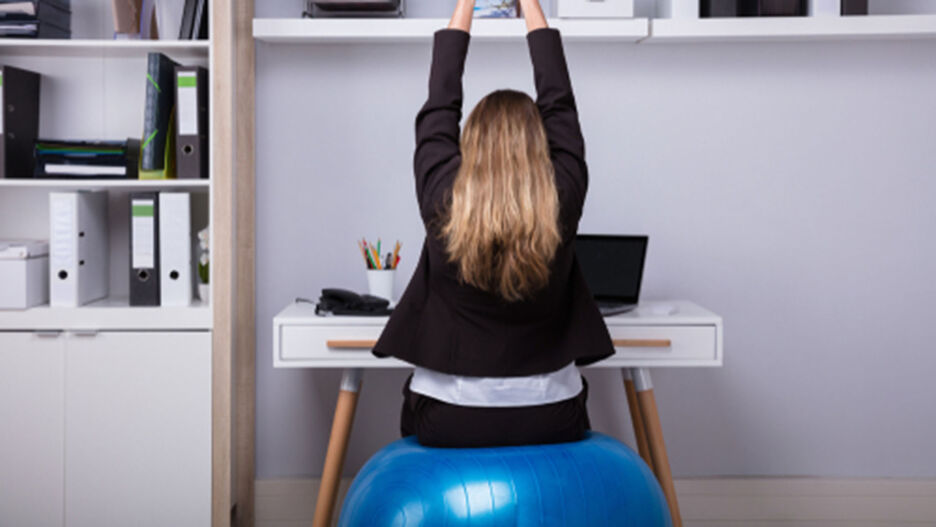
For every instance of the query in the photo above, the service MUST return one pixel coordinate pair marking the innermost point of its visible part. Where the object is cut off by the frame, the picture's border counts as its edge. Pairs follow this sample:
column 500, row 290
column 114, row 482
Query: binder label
column 144, row 233
column 63, row 246
column 187, row 103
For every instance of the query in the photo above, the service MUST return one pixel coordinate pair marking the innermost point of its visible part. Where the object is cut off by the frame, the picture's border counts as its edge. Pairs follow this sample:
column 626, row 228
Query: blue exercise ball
column 595, row 482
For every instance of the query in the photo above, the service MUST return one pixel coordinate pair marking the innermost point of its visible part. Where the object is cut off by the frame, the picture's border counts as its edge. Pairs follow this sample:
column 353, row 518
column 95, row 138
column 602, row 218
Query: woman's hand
column 533, row 13
column 461, row 18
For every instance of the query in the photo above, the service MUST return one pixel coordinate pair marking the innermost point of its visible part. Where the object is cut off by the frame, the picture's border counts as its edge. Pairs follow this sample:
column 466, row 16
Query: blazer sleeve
column 437, row 123
column 556, row 104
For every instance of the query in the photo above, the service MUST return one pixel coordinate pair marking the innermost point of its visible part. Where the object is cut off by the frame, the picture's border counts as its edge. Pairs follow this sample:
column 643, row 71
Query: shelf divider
column 108, row 184
column 111, row 314
column 102, row 47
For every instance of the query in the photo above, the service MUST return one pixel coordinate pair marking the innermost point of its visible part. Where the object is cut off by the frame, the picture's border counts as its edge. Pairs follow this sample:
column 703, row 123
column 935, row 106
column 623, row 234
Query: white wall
column 789, row 187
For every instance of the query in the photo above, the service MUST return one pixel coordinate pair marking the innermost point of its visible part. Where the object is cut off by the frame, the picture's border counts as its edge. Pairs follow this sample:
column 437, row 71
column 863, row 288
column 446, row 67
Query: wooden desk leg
column 640, row 431
column 337, row 446
column 651, row 417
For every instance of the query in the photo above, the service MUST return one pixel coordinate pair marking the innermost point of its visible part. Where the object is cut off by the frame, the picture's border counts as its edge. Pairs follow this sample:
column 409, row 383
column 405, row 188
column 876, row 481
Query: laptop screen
column 612, row 265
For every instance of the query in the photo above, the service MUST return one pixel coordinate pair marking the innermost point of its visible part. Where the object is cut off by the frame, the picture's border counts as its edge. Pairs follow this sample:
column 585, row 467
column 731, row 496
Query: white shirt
column 498, row 392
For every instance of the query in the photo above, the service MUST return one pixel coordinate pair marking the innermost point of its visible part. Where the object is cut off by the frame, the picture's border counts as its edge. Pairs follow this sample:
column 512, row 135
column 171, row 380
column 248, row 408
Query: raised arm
column 556, row 103
column 437, row 124
column 533, row 13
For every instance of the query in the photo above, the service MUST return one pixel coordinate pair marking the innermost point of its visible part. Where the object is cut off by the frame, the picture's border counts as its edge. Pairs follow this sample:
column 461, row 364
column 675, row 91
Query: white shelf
column 102, row 47
column 792, row 28
column 115, row 184
column 663, row 30
column 298, row 30
column 113, row 314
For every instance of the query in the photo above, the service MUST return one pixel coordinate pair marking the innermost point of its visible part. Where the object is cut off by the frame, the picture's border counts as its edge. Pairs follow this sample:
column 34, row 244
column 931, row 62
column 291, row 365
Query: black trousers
column 436, row 423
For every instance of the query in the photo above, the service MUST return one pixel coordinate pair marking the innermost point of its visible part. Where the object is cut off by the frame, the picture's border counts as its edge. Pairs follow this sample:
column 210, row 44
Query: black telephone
column 344, row 302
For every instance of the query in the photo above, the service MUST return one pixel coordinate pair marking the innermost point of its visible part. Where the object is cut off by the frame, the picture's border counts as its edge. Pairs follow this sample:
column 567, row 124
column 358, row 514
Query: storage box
column 854, row 7
column 782, row 8
column 24, row 283
column 728, row 8
column 354, row 8
column 596, row 8
column 678, row 9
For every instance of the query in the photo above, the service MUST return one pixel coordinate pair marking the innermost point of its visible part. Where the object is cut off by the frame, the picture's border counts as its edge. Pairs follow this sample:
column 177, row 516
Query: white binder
column 175, row 249
column 79, row 251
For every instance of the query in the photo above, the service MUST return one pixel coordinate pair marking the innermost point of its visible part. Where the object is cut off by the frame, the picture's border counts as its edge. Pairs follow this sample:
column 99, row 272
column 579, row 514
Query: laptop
column 613, row 268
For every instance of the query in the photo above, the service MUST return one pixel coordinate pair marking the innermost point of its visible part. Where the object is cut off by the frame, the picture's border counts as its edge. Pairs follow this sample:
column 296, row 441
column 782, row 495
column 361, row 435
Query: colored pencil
column 396, row 254
column 363, row 253
column 376, row 257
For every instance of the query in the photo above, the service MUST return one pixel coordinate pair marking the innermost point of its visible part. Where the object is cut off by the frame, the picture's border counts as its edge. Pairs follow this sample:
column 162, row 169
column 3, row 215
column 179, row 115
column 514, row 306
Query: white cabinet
column 32, row 435
column 138, row 429
column 109, row 428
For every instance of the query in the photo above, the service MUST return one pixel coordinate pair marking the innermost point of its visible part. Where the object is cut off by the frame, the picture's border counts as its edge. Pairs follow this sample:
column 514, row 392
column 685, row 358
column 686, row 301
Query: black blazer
column 455, row 328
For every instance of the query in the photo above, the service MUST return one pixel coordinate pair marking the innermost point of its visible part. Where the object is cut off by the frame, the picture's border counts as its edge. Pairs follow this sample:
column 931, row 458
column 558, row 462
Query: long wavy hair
column 502, row 224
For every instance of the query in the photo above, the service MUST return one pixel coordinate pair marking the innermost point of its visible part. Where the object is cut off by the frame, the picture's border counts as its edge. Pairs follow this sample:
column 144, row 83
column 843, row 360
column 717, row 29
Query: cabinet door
column 138, row 422
column 32, row 436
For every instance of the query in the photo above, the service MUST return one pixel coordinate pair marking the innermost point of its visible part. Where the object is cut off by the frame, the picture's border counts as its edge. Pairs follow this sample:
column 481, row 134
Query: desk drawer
column 327, row 342
column 664, row 343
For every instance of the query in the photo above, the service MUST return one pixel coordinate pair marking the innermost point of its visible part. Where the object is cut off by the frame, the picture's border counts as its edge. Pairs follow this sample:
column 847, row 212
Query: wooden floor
column 709, row 502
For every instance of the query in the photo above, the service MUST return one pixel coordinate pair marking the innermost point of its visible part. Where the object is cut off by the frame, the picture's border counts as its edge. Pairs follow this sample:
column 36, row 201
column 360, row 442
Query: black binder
column 194, row 20
column 191, row 122
column 144, row 249
column 19, row 121
column 156, row 157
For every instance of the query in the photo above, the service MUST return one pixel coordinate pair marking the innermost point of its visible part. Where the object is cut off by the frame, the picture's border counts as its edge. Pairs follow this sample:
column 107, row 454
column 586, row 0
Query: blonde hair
column 502, row 223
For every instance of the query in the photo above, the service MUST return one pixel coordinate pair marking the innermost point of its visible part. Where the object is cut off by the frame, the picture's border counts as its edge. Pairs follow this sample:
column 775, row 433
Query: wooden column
column 231, row 70
column 221, row 71
column 245, row 264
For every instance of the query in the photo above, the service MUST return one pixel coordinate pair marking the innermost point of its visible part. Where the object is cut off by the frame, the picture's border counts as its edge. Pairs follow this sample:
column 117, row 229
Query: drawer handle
column 350, row 344
column 642, row 343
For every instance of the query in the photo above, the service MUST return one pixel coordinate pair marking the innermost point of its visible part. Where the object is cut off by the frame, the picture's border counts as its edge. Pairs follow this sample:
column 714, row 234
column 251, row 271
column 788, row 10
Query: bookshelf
column 93, row 87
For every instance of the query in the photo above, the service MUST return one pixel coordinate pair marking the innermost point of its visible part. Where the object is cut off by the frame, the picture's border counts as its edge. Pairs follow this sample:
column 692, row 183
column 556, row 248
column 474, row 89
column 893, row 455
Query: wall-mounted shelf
column 102, row 47
column 297, row 30
column 109, row 184
column 792, row 28
column 112, row 314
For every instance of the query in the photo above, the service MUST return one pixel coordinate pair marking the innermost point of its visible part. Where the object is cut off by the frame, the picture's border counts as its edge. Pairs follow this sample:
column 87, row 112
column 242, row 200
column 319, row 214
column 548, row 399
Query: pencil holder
column 380, row 283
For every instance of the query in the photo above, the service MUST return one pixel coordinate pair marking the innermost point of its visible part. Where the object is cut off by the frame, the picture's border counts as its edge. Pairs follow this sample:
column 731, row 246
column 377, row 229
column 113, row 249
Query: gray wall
column 788, row 187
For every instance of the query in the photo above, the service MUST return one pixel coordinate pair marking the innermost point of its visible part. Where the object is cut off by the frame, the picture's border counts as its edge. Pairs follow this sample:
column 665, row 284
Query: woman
column 497, row 315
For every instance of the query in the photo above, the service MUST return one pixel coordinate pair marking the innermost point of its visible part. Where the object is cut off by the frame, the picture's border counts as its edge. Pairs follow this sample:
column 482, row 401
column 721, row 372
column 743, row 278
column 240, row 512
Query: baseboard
column 706, row 502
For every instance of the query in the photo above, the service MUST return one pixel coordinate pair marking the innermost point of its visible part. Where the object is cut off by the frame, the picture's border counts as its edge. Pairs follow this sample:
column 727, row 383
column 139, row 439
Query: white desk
column 655, row 335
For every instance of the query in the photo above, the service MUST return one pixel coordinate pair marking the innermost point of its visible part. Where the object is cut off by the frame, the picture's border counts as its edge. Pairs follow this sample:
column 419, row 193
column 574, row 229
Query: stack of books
column 35, row 19
column 87, row 159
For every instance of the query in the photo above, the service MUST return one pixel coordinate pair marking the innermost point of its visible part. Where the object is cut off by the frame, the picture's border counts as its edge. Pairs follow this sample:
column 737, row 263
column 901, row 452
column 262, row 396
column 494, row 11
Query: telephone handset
column 344, row 302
